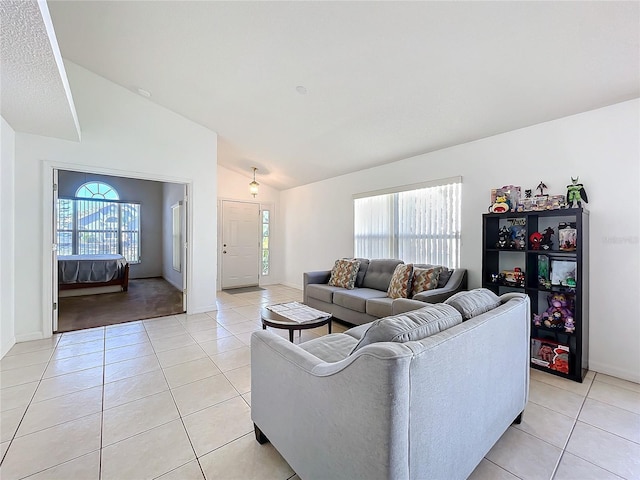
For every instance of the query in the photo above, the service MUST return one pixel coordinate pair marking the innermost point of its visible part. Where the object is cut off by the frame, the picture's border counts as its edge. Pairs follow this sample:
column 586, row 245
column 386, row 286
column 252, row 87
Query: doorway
column 145, row 221
column 240, row 245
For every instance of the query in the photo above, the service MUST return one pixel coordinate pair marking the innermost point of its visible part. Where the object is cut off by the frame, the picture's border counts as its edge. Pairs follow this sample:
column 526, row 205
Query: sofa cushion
column 473, row 302
column 364, row 265
column 400, row 284
column 380, row 307
column 322, row 291
column 379, row 273
column 330, row 348
column 425, row 279
column 443, row 277
column 410, row 326
column 344, row 273
column 356, row 299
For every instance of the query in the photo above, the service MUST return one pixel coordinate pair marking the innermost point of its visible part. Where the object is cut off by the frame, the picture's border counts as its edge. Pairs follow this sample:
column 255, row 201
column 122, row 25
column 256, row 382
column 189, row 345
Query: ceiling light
column 253, row 186
column 301, row 90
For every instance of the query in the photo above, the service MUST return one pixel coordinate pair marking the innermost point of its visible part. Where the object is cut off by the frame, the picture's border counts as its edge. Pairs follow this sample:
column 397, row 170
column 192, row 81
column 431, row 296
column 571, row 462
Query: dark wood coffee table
column 275, row 320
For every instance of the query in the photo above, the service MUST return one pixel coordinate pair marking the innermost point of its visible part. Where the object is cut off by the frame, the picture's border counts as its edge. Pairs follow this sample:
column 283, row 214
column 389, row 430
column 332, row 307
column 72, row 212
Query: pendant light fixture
column 253, row 186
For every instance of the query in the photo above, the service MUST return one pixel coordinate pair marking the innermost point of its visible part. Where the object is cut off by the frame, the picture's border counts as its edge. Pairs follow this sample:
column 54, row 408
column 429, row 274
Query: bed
column 85, row 271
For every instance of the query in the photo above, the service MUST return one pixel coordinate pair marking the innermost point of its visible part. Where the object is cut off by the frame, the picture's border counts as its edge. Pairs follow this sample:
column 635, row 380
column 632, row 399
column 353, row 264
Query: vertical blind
column 419, row 225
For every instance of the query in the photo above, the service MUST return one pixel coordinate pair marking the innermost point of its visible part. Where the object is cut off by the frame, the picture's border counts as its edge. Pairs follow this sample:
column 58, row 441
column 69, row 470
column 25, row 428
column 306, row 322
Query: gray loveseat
column 419, row 409
column 369, row 301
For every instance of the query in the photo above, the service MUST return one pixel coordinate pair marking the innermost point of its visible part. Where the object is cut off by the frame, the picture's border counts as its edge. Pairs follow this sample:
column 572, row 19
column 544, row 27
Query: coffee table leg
column 291, row 335
column 329, row 326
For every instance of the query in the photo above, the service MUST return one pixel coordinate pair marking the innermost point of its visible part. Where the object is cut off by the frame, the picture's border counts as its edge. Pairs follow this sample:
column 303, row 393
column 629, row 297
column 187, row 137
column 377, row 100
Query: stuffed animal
column 558, row 313
column 536, row 239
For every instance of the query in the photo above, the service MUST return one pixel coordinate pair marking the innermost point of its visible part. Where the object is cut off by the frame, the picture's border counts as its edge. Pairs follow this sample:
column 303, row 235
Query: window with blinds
column 417, row 224
column 96, row 222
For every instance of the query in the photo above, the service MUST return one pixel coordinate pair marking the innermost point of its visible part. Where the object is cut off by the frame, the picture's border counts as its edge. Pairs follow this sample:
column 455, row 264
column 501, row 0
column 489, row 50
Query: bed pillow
column 400, row 284
column 425, row 279
column 344, row 273
column 410, row 326
column 474, row 302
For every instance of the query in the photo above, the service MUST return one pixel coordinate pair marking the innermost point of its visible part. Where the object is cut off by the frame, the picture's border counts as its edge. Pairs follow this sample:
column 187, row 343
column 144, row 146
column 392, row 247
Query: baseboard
column 27, row 337
column 622, row 373
column 291, row 285
column 205, row 309
column 178, row 287
column 7, row 346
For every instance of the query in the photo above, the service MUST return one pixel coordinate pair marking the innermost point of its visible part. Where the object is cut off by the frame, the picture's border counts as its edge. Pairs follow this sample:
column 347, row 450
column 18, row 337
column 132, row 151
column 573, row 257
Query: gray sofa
column 422, row 409
column 369, row 301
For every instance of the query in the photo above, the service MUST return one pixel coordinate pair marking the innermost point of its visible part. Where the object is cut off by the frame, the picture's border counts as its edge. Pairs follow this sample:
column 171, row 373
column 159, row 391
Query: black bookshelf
column 552, row 336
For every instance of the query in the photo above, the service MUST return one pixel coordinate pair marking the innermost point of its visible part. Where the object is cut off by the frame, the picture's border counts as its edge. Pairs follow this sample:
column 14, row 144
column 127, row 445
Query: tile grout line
column 13, row 437
column 175, row 404
column 575, row 422
column 104, row 374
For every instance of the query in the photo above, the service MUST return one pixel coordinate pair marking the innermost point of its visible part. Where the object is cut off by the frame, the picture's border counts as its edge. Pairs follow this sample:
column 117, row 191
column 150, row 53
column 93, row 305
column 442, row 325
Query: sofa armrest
column 333, row 420
column 320, row 276
column 457, row 282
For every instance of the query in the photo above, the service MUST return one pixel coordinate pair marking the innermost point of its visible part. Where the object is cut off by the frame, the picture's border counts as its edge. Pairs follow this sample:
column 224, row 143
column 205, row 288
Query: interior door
column 54, row 253
column 240, row 244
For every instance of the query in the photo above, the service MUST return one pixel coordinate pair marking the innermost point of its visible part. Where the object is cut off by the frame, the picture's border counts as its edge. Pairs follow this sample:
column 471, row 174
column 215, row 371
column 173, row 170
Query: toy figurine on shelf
column 558, row 313
column 569, row 325
column 541, row 186
column 546, row 242
column 501, row 205
column 576, row 194
column 504, row 235
column 536, row 239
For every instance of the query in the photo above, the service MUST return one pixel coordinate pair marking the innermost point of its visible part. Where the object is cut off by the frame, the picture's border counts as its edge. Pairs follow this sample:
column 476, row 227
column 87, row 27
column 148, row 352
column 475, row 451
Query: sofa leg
column 517, row 421
column 259, row 435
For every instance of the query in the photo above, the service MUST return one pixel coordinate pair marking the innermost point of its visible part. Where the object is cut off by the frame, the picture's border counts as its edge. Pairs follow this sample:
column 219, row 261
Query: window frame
column 76, row 231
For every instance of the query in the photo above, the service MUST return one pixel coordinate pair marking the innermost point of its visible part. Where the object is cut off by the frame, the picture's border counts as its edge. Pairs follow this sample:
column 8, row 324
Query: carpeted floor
column 146, row 298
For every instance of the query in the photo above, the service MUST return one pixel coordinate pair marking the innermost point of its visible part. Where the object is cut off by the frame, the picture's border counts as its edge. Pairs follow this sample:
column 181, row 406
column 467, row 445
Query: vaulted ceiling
column 310, row 90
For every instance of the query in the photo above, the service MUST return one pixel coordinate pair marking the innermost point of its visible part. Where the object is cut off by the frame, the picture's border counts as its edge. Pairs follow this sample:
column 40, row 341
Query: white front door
column 240, row 244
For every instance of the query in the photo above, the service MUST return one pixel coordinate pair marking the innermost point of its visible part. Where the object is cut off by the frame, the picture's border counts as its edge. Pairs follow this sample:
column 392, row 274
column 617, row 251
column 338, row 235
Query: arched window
column 97, row 190
column 96, row 222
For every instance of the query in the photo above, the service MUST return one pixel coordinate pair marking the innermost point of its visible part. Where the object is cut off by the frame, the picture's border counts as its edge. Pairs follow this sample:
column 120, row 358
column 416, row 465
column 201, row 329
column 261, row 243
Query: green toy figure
column 576, row 194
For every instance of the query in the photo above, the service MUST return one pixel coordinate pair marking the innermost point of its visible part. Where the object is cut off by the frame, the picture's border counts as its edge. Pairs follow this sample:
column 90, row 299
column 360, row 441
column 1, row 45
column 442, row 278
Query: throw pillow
column 400, row 281
column 409, row 326
column 425, row 279
column 344, row 273
column 474, row 302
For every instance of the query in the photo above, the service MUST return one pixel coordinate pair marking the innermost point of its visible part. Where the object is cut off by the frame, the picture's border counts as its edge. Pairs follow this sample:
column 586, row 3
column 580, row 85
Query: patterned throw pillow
column 425, row 279
column 400, row 281
column 344, row 273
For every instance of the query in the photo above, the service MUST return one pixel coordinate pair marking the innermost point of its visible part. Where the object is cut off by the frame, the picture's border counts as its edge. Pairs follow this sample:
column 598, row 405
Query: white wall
column 146, row 192
column 601, row 146
column 123, row 134
column 7, row 246
column 234, row 186
column 172, row 193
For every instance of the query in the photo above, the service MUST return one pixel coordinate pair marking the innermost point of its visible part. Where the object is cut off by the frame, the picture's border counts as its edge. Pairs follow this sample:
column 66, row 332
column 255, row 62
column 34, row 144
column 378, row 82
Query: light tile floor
column 170, row 398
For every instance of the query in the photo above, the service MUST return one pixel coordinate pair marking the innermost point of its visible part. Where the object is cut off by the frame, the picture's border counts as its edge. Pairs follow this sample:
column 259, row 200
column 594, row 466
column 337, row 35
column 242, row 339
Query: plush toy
column 501, row 205
column 558, row 313
column 536, row 239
